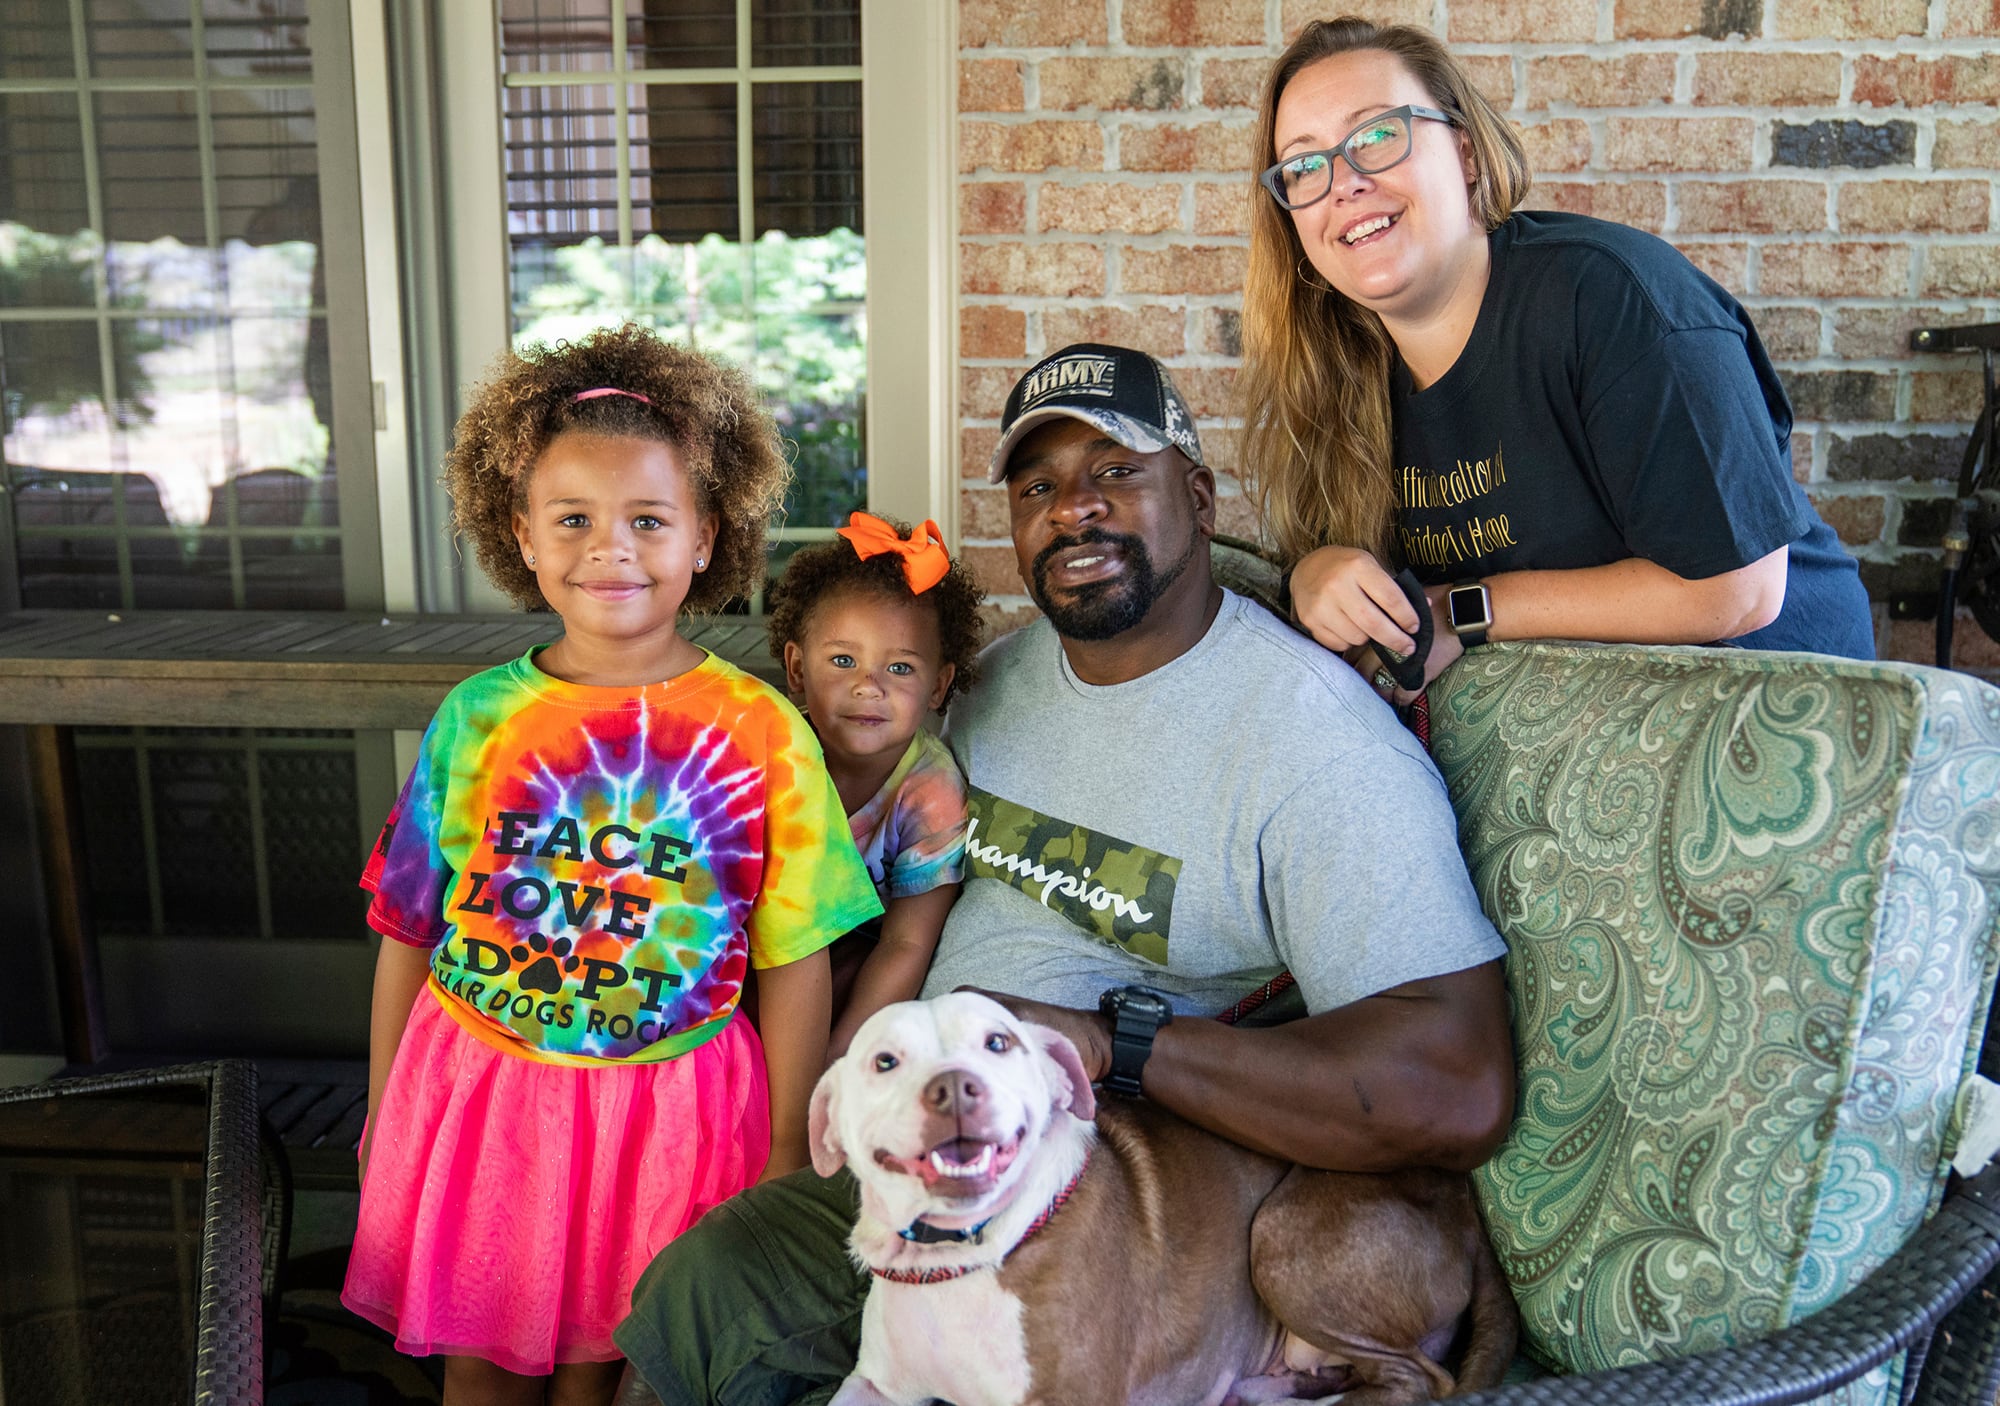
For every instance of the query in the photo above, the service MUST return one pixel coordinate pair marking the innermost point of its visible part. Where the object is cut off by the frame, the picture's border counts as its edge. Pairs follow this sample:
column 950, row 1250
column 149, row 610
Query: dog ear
column 1067, row 1081
column 828, row 1155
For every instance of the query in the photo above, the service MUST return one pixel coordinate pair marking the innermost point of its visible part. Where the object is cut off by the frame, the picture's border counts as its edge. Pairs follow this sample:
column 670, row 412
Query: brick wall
column 1831, row 162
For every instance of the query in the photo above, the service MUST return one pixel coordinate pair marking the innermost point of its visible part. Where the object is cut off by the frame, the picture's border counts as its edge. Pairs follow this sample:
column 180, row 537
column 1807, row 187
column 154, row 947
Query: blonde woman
column 1559, row 424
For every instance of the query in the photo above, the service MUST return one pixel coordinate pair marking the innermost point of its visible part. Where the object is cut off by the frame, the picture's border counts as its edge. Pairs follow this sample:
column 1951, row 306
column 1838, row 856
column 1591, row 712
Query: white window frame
column 909, row 186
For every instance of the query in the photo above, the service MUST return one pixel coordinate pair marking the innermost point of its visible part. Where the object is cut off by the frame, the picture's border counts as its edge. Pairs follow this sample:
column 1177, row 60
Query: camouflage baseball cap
column 1125, row 393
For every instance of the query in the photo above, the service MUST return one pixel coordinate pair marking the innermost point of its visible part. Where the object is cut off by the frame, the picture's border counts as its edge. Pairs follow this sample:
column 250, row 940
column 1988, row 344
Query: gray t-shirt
column 1247, row 808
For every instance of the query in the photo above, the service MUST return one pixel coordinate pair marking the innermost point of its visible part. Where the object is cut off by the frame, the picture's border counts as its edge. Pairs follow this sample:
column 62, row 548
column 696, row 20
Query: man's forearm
column 1420, row 1077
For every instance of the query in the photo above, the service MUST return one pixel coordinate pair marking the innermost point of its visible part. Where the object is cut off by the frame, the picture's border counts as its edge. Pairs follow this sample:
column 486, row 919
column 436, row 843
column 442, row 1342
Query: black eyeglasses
column 1370, row 149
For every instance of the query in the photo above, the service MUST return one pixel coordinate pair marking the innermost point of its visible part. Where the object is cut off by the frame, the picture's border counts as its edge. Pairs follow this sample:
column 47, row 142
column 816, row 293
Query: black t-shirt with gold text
column 1614, row 402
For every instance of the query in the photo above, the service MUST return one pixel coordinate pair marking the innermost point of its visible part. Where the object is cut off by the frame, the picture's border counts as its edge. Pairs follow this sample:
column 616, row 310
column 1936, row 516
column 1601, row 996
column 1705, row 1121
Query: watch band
column 1137, row 1014
column 1130, row 1049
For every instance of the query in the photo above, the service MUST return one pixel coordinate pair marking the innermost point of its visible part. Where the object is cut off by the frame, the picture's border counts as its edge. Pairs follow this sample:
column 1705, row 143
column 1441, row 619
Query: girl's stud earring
column 531, row 562
column 700, row 562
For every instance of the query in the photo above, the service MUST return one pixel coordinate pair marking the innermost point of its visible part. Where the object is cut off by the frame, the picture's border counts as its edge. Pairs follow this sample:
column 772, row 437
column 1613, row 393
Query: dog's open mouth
column 958, row 1167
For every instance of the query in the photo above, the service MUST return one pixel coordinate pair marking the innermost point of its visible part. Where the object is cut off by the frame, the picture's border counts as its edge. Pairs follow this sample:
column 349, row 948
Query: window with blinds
column 166, row 397
column 696, row 166
column 165, row 393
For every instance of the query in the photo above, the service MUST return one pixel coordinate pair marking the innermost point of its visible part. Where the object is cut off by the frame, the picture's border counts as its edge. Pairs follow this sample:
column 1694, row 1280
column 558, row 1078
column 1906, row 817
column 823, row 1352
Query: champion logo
column 1030, row 872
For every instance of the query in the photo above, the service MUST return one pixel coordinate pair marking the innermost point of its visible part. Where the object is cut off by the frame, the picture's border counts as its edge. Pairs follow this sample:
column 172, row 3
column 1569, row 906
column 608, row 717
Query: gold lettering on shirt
column 1454, row 544
column 1463, row 482
column 1433, row 546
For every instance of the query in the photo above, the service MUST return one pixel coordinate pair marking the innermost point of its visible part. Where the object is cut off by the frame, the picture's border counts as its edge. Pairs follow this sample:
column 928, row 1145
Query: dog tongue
column 961, row 1149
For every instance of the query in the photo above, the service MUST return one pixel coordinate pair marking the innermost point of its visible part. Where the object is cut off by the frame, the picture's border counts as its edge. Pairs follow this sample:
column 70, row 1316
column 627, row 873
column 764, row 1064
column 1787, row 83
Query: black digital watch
column 1137, row 1013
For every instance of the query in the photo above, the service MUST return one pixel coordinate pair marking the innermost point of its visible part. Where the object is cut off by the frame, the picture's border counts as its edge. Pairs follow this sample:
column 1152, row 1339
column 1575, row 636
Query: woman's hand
column 1345, row 598
column 1445, row 648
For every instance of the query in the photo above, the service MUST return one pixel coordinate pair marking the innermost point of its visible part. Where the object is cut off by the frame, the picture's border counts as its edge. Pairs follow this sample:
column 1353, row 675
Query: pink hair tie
column 600, row 392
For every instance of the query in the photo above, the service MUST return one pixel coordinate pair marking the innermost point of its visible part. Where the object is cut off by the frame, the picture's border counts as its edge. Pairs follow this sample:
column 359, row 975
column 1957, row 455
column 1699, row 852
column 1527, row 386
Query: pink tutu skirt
column 510, row 1205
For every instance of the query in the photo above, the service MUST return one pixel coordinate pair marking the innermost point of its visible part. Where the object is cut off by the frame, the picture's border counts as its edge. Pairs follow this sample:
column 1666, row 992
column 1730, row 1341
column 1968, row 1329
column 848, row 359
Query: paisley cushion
column 1750, row 901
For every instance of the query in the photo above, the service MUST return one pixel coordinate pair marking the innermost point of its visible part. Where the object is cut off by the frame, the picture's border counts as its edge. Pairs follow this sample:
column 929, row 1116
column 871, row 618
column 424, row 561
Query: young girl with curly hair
column 595, row 843
column 875, row 631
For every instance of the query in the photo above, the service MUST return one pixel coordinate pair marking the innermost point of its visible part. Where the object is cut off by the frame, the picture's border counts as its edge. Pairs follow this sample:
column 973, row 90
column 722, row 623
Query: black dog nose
column 954, row 1091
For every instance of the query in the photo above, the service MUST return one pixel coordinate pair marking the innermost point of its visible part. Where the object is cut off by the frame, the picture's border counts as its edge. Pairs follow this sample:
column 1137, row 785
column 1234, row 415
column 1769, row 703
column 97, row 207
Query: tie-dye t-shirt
column 593, row 868
column 911, row 833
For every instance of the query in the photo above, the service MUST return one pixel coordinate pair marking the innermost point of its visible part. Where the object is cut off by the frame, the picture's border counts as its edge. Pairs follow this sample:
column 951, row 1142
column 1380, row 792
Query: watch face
column 1467, row 608
column 1137, row 1000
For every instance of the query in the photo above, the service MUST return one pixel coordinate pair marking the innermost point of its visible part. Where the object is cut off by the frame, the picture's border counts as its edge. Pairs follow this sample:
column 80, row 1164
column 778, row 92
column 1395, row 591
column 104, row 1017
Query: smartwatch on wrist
column 1137, row 1013
column 1469, row 612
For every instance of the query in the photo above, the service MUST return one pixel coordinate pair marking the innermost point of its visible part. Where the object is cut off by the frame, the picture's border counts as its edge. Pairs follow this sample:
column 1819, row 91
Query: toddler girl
column 876, row 631
column 595, row 842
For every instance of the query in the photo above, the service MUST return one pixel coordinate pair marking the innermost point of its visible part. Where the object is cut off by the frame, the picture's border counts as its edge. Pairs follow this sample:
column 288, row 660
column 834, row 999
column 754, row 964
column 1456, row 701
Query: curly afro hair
column 818, row 573
column 707, row 410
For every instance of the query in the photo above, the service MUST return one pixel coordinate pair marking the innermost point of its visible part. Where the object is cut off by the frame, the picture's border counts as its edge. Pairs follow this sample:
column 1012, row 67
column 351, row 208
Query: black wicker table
column 131, row 1226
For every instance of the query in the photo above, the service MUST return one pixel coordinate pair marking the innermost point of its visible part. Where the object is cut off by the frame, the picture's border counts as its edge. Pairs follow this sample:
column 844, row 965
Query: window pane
column 811, row 365
column 783, row 297
column 53, row 397
column 203, row 403
column 543, row 36
column 266, row 165
column 562, row 164
column 808, row 157
column 54, row 415
column 149, row 156
column 90, row 534
column 220, row 398
column 37, row 43
column 680, row 33
column 684, row 169
column 266, row 40
column 46, row 252
column 293, row 573
column 700, row 288
column 76, row 544
column 270, row 541
column 140, row 41
column 805, row 33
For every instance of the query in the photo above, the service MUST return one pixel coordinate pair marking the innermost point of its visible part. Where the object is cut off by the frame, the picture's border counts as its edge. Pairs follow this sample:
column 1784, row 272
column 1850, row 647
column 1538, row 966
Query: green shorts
column 757, row 1304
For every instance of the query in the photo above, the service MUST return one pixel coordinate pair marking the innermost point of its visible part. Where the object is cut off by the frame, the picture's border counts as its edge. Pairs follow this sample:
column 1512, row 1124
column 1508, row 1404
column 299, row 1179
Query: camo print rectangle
column 1119, row 892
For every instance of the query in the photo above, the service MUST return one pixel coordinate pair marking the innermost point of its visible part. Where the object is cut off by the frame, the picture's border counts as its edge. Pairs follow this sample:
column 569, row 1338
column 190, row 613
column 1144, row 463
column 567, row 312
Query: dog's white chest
column 961, row 1340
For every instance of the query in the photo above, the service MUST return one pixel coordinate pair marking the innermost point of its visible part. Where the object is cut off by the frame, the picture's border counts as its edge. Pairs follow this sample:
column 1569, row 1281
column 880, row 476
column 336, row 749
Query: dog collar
column 922, row 1232
column 930, row 1235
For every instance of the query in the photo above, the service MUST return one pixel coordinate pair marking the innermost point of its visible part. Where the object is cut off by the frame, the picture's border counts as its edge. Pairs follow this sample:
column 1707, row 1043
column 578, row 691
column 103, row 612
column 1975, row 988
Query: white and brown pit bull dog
column 1022, row 1254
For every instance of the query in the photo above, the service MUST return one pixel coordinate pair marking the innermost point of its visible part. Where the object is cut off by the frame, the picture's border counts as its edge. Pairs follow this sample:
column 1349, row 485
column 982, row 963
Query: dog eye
column 999, row 1042
column 884, row 1063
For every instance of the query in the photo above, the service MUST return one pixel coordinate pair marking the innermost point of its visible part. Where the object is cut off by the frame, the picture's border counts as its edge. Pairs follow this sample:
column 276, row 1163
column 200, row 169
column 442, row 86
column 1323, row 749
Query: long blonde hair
column 1315, row 382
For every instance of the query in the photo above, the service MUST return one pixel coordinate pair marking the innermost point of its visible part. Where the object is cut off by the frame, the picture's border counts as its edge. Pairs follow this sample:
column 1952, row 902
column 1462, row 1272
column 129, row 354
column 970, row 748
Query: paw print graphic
column 544, row 974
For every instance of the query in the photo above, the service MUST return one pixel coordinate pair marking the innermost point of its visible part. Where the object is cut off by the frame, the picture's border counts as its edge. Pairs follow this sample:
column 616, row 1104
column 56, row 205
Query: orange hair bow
column 925, row 560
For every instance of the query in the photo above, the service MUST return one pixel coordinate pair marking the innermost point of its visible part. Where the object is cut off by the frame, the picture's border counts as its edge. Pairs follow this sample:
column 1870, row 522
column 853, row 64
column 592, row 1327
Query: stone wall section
column 1831, row 162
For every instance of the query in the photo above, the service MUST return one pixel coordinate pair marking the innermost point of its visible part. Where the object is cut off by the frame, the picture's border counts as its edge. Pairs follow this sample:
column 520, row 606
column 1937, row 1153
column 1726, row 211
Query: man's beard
column 1102, row 610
